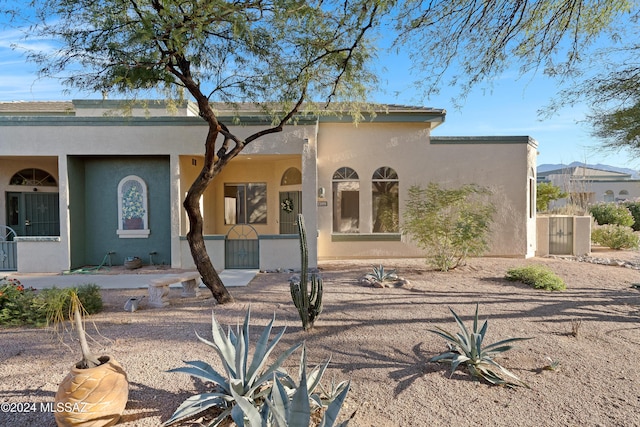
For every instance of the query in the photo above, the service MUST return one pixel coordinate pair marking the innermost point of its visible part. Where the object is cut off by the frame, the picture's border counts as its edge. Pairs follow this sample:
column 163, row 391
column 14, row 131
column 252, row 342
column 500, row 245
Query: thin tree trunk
column 195, row 237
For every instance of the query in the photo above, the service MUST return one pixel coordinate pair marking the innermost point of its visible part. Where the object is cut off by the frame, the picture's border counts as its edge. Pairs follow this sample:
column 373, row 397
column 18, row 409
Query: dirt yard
column 380, row 340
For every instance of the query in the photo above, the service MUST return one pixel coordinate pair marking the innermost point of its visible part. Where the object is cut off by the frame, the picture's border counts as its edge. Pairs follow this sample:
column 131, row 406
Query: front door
column 33, row 213
column 290, row 207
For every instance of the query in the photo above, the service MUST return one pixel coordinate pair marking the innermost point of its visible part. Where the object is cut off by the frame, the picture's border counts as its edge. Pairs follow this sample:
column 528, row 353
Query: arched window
column 133, row 219
column 346, row 201
column 33, row 178
column 384, row 197
column 623, row 195
column 291, row 176
column 608, row 196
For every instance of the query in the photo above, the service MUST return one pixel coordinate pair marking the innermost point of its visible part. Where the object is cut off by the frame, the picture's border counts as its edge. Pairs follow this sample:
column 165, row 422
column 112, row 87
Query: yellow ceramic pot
column 93, row 397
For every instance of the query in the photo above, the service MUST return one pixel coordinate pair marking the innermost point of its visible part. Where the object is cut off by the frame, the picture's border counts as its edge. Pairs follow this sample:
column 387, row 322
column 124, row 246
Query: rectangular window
column 245, row 203
column 346, row 202
column 385, row 207
column 532, row 198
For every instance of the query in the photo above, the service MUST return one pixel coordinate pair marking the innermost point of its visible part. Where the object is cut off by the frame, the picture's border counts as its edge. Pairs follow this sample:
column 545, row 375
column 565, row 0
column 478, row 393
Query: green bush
column 615, row 237
column 16, row 303
column 634, row 208
column 546, row 193
column 27, row 306
column 611, row 213
column 538, row 276
column 449, row 224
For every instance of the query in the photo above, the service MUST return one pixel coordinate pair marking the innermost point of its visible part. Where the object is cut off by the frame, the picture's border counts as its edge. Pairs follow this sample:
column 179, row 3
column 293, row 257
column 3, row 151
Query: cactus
column 308, row 302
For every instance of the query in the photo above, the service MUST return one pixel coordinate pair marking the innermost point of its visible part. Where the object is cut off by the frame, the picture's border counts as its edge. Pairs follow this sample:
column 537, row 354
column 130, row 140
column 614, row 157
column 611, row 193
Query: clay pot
column 93, row 397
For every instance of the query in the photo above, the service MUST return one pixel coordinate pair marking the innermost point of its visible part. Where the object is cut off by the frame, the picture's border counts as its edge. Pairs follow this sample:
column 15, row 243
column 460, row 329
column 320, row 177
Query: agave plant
column 245, row 380
column 379, row 274
column 245, row 392
column 466, row 348
column 292, row 405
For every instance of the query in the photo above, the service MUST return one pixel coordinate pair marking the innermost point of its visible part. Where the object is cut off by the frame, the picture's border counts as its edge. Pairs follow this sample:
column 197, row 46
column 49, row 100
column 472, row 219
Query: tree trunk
column 210, row 276
column 195, row 237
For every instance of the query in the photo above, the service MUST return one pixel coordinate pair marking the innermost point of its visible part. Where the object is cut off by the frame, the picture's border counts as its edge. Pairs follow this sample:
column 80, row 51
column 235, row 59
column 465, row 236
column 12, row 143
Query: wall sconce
column 321, row 192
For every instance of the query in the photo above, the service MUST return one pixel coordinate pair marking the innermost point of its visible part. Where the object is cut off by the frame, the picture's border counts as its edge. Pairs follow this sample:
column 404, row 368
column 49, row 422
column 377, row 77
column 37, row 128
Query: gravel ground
column 380, row 340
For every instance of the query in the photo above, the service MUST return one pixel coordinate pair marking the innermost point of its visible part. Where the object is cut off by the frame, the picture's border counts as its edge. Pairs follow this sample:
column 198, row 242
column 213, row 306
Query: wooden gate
column 8, row 252
column 561, row 235
column 241, row 248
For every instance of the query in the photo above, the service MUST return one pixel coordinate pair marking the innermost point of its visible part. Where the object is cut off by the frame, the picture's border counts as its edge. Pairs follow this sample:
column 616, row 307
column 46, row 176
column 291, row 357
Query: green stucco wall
column 95, row 235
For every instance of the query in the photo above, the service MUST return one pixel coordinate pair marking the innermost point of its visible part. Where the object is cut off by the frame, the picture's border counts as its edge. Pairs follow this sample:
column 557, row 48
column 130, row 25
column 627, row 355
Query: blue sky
column 510, row 107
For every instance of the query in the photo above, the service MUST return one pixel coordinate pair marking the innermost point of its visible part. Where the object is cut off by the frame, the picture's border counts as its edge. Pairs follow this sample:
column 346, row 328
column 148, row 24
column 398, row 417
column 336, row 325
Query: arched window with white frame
column 133, row 212
column 346, row 201
column 384, row 197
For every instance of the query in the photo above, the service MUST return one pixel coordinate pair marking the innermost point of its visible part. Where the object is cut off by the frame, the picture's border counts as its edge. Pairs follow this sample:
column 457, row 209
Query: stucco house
column 83, row 185
column 588, row 185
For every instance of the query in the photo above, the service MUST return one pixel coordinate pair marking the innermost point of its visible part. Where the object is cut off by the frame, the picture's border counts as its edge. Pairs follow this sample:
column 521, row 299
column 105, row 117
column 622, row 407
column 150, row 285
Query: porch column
column 175, row 205
column 310, row 194
column 65, row 223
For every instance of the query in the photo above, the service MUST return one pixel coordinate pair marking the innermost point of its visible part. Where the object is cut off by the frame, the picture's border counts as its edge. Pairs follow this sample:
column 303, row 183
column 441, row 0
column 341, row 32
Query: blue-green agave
column 466, row 348
column 245, row 391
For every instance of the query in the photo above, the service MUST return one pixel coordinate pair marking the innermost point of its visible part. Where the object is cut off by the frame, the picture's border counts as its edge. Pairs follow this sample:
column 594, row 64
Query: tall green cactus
column 308, row 303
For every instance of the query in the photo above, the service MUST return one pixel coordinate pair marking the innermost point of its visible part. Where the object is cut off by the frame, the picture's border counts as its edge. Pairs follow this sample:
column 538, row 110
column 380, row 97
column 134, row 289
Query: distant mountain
column 549, row 167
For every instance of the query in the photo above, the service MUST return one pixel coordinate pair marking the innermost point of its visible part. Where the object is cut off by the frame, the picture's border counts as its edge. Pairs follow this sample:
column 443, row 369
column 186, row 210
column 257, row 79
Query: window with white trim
column 346, row 201
column 133, row 218
column 384, row 197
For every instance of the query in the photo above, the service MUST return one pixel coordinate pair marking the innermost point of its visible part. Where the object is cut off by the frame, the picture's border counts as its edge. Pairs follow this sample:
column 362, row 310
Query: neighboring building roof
column 585, row 173
column 37, row 108
column 88, row 111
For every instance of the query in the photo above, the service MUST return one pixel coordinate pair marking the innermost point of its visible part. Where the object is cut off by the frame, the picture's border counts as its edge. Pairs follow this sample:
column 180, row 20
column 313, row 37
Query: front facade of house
column 83, row 188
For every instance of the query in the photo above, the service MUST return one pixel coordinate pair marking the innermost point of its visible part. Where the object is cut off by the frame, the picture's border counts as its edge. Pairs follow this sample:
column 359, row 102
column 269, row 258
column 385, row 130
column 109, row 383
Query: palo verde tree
column 280, row 55
column 547, row 192
column 473, row 42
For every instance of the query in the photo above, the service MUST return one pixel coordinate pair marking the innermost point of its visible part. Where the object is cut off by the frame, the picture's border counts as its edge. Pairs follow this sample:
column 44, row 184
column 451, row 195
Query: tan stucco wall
column 502, row 167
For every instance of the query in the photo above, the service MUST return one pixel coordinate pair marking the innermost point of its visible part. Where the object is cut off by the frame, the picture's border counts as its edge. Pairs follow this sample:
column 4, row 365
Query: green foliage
column 291, row 404
column 546, row 193
column 538, row 276
column 308, row 302
column 244, row 391
column 449, row 224
column 16, row 304
column 541, row 35
column 615, row 236
column 611, row 213
column 379, row 274
column 634, row 208
column 27, row 306
column 466, row 348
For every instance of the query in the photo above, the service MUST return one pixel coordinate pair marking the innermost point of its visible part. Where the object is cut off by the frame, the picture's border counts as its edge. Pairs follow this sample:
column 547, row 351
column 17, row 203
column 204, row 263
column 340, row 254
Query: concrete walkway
column 230, row 278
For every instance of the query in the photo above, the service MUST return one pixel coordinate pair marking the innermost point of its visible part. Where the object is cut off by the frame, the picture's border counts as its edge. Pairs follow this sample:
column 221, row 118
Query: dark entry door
column 34, row 213
column 290, row 207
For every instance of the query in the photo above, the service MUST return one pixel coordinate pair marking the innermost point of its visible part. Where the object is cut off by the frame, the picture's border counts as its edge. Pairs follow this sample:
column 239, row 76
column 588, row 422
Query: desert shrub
column 634, row 208
column 546, row 192
column 449, row 224
column 615, row 236
column 611, row 213
column 27, row 306
column 16, row 303
column 538, row 276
